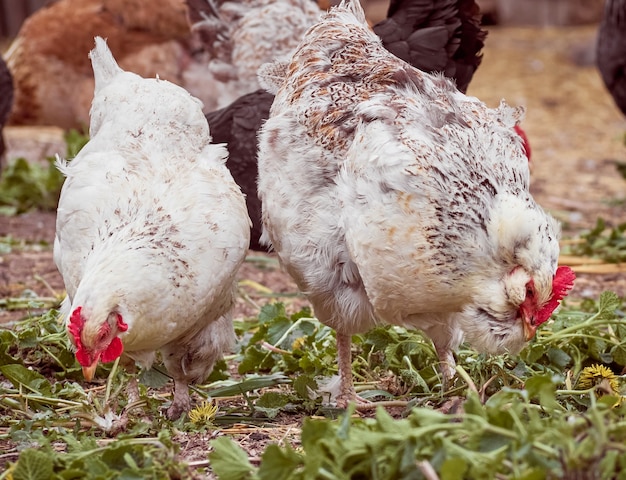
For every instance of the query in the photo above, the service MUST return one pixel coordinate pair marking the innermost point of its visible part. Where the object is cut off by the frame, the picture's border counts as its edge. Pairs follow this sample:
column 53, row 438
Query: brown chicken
column 52, row 74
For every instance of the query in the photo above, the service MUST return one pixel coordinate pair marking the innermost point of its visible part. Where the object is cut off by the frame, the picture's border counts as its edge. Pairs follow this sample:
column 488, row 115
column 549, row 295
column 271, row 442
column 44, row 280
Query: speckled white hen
column 241, row 35
column 151, row 230
column 390, row 196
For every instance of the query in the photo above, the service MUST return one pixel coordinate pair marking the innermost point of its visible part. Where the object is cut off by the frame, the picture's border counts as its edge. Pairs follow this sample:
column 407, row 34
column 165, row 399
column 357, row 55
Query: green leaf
column 229, row 461
column 33, row 381
column 277, row 330
column 271, row 403
column 619, row 354
column 153, row 378
column 249, row 384
column 279, row 464
column 255, row 359
column 33, row 465
column 609, row 302
column 558, row 357
column 543, row 387
column 453, row 469
column 271, row 311
column 534, row 474
column 302, row 384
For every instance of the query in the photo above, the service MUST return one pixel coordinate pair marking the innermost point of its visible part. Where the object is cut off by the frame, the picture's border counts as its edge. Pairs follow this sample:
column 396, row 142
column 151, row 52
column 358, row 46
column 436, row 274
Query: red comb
column 75, row 328
column 526, row 144
column 76, row 324
column 561, row 284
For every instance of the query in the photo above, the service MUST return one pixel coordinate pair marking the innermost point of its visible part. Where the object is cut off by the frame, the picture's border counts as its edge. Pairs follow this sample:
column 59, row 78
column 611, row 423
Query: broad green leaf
column 229, row 461
column 33, row 465
column 29, row 379
column 277, row 330
column 609, row 302
column 153, row 378
column 302, row 384
column 544, row 388
column 271, row 311
column 533, row 474
column 558, row 357
column 253, row 383
column 278, row 463
column 453, row 469
column 271, row 403
column 618, row 352
column 255, row 359
column 273, row 400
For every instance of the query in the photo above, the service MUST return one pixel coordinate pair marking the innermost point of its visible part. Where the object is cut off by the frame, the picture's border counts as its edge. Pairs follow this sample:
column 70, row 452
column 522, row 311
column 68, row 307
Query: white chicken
column 241, row 35
column 151, row 230
column 392, row 197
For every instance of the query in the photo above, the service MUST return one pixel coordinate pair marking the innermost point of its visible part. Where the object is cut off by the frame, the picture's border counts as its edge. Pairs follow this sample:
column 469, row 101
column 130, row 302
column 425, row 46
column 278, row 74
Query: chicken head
column 96, row 342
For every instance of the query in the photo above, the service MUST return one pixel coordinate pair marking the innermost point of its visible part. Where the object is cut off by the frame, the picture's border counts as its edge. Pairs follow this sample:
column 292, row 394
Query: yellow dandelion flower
column 298, row 343
column 599, row 376
column 203, row 413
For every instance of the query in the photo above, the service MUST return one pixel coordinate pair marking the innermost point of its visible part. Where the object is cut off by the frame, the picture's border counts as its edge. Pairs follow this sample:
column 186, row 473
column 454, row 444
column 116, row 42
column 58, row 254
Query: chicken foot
column 181, row 401
column 347, row 393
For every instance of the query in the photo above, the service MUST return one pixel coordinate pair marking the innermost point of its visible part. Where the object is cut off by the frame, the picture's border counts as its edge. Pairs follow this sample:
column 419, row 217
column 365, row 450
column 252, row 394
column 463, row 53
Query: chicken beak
column 89, row 371
column 529, row 328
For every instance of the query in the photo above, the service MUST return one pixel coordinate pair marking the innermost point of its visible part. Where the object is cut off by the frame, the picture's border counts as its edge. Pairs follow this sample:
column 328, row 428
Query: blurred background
column 503, row 12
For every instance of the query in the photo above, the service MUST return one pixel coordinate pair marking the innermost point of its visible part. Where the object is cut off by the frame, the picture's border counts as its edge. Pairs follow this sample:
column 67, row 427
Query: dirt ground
column 576, row 134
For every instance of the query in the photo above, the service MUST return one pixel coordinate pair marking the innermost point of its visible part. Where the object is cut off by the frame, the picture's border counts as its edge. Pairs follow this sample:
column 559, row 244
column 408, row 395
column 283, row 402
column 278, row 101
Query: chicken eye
column 529, row 292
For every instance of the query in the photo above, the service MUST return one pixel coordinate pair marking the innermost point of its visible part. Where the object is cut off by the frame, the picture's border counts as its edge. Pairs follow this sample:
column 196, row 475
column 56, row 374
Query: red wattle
column 113, row 351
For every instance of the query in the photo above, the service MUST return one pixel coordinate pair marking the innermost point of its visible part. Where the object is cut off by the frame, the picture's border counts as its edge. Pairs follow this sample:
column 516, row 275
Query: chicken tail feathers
column 105, row 68
column 271, row 75
column 354, row 7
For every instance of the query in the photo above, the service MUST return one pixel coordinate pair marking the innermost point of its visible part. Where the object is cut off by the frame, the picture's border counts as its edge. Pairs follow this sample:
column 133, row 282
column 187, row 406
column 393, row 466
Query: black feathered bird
column 237, row 126
column 6, row 100
column 435, row 36
column 611, row 50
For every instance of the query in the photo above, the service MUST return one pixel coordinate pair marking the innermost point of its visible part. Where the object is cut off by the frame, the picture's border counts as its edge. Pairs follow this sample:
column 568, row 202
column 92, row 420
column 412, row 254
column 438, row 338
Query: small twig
column 39, row 278
column 427, row 470
column 107, row 392
column 20, row 303
column 272, row 348
column 199, row 463
column 464, row 375
column 383, row 403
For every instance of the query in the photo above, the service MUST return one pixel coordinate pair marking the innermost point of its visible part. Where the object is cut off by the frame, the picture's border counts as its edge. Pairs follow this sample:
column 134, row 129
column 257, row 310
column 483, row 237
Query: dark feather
column 237, row 126
column 611, row 50
column 435, row 36
column 6, row 99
